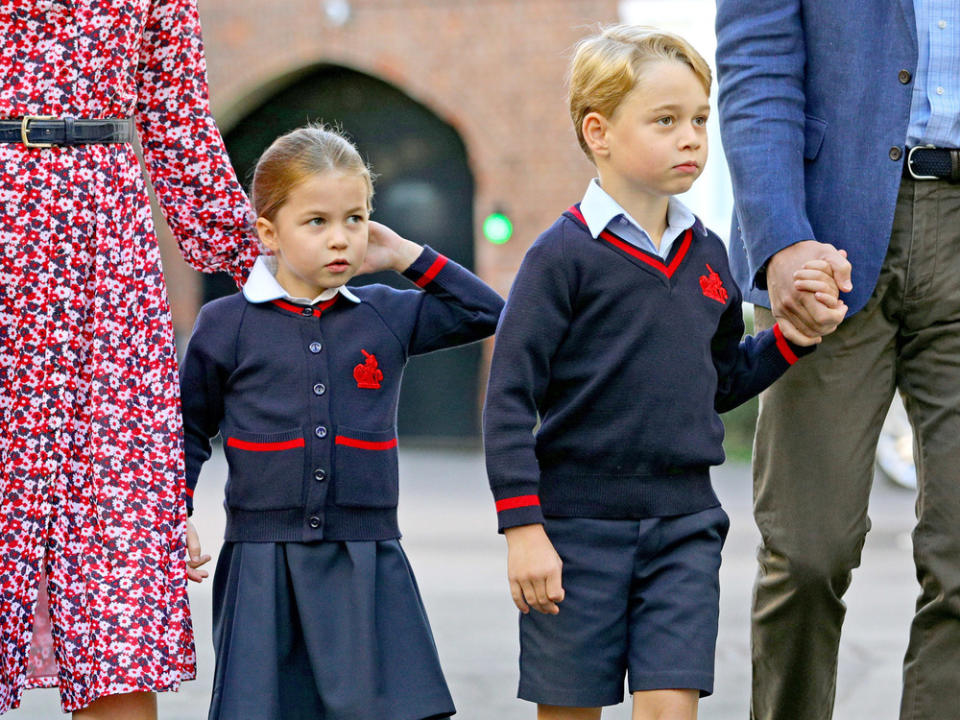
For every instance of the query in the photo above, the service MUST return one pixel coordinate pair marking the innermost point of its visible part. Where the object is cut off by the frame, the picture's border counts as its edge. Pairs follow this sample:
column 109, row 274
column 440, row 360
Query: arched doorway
column 424, row 191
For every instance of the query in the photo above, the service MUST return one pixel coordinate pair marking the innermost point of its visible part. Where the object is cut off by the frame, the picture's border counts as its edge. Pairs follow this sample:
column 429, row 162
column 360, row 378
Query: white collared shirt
column 262, row 286
column 602, row 212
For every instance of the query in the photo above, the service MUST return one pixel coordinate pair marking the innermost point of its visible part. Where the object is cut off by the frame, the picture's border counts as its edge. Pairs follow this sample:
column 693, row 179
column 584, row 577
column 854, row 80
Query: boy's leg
column 665, row 705
column 814, row 458
column 559, row 712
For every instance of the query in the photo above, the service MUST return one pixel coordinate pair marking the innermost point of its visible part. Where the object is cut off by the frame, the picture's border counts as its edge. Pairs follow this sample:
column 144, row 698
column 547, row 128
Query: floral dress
column 91, row 459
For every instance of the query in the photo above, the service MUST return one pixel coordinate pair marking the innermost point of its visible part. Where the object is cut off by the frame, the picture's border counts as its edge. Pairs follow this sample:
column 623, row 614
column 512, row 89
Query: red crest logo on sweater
column 368, row 373
column 712, row 286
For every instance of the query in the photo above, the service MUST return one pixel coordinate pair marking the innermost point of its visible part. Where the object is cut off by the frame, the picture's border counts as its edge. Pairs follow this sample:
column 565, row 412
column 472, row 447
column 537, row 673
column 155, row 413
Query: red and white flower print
column 91, row 460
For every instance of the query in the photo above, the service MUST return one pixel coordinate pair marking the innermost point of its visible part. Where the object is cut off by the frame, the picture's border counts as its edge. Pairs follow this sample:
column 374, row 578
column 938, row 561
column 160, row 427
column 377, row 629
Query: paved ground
column 448, row 520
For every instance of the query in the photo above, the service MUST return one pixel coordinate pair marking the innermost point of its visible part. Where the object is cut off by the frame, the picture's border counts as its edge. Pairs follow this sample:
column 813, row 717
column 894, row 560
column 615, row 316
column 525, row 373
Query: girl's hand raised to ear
column 388, row 251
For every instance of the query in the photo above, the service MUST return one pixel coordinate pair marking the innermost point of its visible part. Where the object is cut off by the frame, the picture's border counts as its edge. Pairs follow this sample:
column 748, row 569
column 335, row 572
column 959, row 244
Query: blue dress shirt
column 935, row 105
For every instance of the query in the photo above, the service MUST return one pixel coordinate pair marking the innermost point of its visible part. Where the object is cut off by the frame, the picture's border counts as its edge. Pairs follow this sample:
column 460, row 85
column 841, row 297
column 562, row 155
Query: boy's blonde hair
column 607, row 66
column 298, row 155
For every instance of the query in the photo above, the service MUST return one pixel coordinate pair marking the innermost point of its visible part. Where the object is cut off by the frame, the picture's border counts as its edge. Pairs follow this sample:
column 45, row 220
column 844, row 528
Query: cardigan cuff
column 790, row 351
column 518, row 509
column 426, row 267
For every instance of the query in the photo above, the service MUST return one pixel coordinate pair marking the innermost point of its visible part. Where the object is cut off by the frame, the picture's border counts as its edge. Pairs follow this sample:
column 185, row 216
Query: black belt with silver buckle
column 926, row 162
column 42, row 131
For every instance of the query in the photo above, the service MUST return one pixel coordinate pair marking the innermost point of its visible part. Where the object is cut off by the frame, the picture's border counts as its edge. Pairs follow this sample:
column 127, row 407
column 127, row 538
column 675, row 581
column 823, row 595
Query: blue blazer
column 814, row 106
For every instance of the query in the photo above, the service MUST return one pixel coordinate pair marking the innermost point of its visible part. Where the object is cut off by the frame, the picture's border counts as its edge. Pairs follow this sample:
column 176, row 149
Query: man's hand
column 801, row 316
column 533, row 568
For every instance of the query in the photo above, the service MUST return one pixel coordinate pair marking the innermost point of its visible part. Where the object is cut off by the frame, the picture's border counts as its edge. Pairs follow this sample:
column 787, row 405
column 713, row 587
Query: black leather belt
column 926, row 162
column 40, row 131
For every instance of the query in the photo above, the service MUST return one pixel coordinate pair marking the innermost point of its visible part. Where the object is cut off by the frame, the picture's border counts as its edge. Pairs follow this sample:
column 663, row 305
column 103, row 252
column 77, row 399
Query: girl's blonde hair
column 608, row 65
column 298, row 155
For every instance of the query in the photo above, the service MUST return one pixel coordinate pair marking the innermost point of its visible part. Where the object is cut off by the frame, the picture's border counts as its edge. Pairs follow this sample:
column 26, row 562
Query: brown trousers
column 814, row 464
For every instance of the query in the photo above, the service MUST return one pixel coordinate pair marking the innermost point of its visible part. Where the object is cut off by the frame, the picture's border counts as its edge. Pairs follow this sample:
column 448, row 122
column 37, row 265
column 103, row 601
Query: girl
column 316, row 611
column 91, row 461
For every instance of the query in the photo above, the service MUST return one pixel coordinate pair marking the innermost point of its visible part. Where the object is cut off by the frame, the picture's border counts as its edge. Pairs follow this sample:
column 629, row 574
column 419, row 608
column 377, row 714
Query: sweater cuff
column 426, row 267
column 790, row 351
column 515, row 509
column 188, row 498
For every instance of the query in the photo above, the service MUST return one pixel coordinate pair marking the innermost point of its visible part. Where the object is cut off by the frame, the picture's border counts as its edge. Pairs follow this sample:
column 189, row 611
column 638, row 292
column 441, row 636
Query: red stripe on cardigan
column 789, row 355
column 640, row 254
column 298, row 309
column 266, row 446
column 517, row 502
column 365, row 444
column 432, row 271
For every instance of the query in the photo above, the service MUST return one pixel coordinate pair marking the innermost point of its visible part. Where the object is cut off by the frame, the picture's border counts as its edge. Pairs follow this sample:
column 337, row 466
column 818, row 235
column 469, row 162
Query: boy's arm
column 456, row 306
column 534, row 322
column 208, row 362
column 747, row 367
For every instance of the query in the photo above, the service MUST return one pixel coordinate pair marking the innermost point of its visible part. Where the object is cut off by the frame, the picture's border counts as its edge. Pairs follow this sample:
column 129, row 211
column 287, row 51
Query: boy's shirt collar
column 602, row 212
column 262, row 286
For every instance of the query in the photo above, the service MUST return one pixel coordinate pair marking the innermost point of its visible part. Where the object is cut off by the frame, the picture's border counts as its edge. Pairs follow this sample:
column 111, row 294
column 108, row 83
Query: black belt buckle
column 25, row 129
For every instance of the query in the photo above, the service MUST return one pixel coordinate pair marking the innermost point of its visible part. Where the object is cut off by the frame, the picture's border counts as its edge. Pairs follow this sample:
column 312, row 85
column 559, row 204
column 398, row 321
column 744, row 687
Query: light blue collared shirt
column 262, row 286
column 602, row 212
column 935, row 104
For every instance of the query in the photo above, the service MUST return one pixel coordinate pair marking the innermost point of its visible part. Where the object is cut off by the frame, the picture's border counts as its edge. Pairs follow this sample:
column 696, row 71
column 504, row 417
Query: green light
column 497, row 228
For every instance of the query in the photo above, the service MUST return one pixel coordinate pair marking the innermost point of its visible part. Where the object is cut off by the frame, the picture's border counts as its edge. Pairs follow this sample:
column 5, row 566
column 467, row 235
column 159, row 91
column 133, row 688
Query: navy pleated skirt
column 322, row 631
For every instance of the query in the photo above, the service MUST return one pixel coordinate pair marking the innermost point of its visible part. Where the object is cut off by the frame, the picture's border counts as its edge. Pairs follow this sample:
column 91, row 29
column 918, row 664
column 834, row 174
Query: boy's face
column 656, row 139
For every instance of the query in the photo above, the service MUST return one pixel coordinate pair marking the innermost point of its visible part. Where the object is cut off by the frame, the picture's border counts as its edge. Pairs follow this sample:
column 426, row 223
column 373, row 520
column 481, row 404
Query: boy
column 622, row 333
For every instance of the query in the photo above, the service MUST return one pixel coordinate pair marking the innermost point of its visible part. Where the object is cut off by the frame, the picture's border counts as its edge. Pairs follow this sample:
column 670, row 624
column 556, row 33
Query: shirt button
column 941, row 24
column 316, row 347
column 939, row 91
column 895, row 153
column 314, row 522
column 307, row 311
column 321, row 431
column 319, row 389
column 904, row 76
column 319, row 475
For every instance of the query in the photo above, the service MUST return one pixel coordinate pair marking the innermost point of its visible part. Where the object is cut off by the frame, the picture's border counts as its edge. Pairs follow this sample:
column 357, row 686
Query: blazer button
column 904, row 76
column 320, row 432
column 316, row 347
column 895, row 153
column 314, row 522
column 319, row 475
column 319, row 389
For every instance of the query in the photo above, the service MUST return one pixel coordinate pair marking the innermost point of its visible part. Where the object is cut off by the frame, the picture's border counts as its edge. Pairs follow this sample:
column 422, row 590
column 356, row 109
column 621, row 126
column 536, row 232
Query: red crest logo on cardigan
column 368, row 373
column 712, row 286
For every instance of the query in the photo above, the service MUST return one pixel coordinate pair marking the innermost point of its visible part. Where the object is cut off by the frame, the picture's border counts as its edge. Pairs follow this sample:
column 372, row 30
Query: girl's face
column 319, row 235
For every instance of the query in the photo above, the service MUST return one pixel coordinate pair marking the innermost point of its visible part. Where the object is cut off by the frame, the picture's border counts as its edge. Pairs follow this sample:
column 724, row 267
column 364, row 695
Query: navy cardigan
column 305, row 399
column 626, row 359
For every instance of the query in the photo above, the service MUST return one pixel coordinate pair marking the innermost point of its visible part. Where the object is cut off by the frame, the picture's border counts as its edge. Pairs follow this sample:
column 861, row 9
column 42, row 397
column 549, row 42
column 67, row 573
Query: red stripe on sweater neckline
column 639, row 254
column 315, row 310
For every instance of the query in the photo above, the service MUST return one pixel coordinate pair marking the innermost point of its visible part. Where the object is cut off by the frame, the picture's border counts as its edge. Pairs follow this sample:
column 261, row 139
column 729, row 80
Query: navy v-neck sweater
column 626, row 360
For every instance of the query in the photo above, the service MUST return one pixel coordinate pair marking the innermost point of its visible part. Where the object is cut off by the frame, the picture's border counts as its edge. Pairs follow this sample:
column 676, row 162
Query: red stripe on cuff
column 265, row 447
column 789, row 355
column 366, row 444
column 189, row 492
column 517, row 502
column 432, row 271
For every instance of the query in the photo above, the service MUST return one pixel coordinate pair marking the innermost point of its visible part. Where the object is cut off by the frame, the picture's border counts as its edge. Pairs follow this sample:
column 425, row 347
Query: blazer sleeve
column 760, row 67
column 207, row 364
column 195, row 184
column 456, row 307
column 534, row 323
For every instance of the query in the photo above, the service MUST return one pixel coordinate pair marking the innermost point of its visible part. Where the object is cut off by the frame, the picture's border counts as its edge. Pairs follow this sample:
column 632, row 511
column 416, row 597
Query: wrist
column 406, row 255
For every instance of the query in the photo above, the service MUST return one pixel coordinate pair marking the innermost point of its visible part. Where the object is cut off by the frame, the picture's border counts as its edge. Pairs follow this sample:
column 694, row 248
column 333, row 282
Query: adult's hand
column 802, row 318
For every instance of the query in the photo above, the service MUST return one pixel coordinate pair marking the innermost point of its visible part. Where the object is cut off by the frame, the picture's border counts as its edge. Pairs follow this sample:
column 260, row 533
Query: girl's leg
column 665, row 705
column 559, row 712
column 130, row 706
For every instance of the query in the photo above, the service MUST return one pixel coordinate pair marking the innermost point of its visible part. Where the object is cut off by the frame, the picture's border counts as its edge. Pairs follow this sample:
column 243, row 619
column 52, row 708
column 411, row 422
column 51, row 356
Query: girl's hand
column 195, row 560
column 816, row 276
column 388, row 251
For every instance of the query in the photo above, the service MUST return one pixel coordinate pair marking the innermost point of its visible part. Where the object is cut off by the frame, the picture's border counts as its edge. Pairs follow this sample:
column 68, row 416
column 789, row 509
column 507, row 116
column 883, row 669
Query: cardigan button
column 320, row 432
column 319, row 389
column 319, row 475
column 316, row 347
column 307, row 311
column 314, row 522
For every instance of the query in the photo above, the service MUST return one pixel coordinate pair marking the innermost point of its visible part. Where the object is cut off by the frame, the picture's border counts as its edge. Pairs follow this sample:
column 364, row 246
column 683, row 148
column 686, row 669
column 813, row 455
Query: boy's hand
column 195, row 560
column 388, row 251
column 816, row 276
column 533, row 568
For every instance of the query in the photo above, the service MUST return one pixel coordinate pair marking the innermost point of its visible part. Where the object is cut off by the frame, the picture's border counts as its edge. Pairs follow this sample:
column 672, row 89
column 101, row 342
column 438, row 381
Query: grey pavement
column 450, row 536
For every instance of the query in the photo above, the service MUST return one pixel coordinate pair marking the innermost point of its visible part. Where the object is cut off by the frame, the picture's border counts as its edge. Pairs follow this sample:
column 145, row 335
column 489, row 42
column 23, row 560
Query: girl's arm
column 197, row 189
